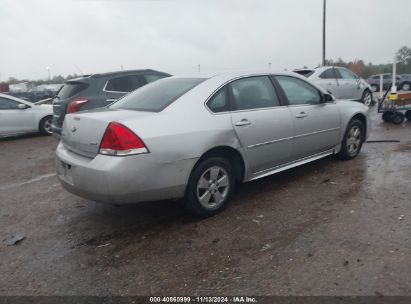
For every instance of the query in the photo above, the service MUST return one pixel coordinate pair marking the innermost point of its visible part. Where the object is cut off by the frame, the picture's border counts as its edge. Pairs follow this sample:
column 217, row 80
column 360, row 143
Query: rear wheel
column 45, row 126
column 406, row 86
column 397, row 118
column 366, row 98
column 210, row 186
column 353, row 140
column 374, row 87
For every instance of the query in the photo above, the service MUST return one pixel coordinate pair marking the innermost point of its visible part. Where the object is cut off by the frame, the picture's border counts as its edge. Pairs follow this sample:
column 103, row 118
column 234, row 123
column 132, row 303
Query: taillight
column 118, row 140
column 75, row 105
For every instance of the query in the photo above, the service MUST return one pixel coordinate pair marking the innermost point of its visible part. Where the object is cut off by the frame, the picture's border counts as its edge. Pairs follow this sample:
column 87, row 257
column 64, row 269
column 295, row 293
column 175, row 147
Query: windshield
column 158, row 95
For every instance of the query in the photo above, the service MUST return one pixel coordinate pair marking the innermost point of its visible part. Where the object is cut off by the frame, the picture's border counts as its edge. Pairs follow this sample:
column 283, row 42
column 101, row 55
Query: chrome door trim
column 317, row 132
column 270, row 142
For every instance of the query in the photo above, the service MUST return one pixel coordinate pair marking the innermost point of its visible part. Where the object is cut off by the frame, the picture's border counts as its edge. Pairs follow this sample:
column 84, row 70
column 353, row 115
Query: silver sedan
column 196, row 137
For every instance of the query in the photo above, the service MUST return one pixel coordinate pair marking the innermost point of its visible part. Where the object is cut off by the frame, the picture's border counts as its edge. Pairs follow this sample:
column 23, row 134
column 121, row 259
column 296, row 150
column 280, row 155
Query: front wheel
column 374, row 87
column 210, row 186
column 367, row 98
column 353, row 140
column 45, row 126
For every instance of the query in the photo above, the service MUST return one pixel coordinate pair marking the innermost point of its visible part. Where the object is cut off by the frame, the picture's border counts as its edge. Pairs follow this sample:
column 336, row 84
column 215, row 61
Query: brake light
column 118, row 140
column 75, row 105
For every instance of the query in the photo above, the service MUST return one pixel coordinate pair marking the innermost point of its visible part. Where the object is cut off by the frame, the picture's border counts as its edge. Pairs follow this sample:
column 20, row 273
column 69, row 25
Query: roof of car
column 235, row 74
column 122, row 72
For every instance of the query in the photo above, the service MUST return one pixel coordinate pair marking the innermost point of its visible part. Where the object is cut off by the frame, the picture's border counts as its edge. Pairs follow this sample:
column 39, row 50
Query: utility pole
column 324, row 19
column 269, row 65
column 199, row 68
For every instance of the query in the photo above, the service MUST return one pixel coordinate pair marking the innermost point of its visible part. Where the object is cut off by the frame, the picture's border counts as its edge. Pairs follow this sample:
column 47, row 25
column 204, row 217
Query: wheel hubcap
column 406, row 87
column 354, row 140
column 367, row 99
column 374, row 88
column 212, row 187
column 47, row 126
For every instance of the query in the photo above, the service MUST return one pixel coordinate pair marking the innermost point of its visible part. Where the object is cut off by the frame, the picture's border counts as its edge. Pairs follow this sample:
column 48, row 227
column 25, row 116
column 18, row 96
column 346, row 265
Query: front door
column 349, row 84
column 316, row 124
column 264, row 127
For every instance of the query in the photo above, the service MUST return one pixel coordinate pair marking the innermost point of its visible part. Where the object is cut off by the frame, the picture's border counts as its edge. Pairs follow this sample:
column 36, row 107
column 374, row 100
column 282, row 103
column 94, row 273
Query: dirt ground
column 327, row 228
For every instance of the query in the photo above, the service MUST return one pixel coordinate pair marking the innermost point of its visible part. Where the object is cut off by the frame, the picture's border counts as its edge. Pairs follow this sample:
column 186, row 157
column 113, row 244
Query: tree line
column 358, row 66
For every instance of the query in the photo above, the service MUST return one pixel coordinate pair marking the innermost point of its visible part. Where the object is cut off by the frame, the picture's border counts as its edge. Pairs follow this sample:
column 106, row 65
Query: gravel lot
column 327, row 228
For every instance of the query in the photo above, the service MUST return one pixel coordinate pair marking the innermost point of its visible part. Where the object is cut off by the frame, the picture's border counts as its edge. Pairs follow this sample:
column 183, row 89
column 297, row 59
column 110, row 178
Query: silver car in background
column 197, row 136
column 340, row 82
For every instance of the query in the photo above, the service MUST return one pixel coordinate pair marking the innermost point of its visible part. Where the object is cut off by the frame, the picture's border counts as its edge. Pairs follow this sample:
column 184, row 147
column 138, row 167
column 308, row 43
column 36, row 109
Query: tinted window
column 153, row 77
column 387, row 76
column 123, row 84
column 253, row 93
column 299, row 91
column 345, row 74
column 8, row 104
column 158, row 95
column 376, row 77
column 219, row 103
column 328, row 74
column 71, row 89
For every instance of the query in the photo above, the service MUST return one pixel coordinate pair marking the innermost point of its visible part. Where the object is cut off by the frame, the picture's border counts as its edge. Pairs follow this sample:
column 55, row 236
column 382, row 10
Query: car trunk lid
column 83, row 132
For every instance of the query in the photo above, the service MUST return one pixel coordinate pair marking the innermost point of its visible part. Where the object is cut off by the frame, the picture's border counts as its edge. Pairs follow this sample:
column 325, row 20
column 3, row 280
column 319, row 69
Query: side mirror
column 23, row 106
column 328, row 98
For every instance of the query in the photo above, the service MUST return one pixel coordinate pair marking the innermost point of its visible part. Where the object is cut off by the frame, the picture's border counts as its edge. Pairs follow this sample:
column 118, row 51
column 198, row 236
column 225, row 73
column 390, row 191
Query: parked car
column 18, row 116
column 406, row 85
column 340, row 82
column 99, row 90
column 402, row 82
column 196, row 136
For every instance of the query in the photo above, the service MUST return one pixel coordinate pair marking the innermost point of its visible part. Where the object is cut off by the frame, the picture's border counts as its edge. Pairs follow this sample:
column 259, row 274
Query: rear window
column 158, row 95
column 71, row 89
column 306, row 73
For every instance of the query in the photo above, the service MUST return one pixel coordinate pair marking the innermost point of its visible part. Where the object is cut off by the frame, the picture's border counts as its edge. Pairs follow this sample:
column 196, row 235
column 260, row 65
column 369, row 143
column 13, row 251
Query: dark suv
column 96, row 91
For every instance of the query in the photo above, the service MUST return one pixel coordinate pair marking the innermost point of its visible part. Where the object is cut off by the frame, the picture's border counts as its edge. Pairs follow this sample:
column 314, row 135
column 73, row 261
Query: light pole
column 48, row 71
column 324, row 18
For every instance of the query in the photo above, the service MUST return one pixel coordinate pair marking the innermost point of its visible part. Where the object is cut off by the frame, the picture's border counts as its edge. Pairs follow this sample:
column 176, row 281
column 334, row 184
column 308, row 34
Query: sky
column 175, row 36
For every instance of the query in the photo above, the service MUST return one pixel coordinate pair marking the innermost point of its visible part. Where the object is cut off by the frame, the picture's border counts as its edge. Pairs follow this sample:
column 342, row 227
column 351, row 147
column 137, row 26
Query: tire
column 353, row 140
column 375, row 87
column 367, row 98
column 45, row 126
column 213, row 175
column 406, row 86
column 397, row 118
column 408, row 115
column 386, row 116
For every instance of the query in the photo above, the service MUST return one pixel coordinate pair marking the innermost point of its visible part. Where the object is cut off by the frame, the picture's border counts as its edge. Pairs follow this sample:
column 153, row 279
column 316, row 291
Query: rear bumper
column 122, row 180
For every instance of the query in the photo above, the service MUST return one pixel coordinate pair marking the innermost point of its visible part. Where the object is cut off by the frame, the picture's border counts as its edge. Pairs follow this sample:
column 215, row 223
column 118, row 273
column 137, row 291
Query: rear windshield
column 71, row 89
column 306, row 73
column 158, row 95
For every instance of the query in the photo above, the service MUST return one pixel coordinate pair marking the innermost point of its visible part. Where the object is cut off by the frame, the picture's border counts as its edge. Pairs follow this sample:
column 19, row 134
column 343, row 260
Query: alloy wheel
column 367, row 98
column 213, row 187
column 354, row 140
column 47, row 126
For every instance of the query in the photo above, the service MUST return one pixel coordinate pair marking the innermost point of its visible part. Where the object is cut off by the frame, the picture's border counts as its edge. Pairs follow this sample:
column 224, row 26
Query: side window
column 253, row 93
column 387, row 76
column 8, row 104
column 298, row 91
column 376, row 77
column 328, row 74
column 345, row 74
column 219, row 101
column 123, row 84
column 152, row 77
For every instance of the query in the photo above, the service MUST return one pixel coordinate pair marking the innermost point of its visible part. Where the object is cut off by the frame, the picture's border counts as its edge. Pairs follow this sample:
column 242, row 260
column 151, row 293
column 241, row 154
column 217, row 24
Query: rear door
column 328, row 81
column 349, row 84
column 316, row 124
column 14, row 120
column 263, row 126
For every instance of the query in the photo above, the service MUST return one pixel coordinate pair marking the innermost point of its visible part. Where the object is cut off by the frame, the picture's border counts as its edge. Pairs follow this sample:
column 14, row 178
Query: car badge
column 73, row 129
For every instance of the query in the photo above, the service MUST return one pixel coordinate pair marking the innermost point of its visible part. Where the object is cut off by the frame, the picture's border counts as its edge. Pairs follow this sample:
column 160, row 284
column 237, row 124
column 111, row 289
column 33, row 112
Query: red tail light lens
column 75, row 105
column 118, row 140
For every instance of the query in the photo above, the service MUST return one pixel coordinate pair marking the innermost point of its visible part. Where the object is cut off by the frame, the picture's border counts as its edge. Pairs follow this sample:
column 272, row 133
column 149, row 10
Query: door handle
column 301, row 115
column 111, row 99
column 243, row 122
